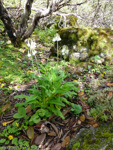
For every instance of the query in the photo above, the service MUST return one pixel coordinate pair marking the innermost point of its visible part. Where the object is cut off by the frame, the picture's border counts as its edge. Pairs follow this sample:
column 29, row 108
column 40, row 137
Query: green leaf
column 35, row 119
column 65, row 100
column 56, row 101
column 76, row 109
column 21, row 96
column 2, row 140
column 56, row 111
column 21, row 113
column 41, row 112
column 19, row 104
column 15, row 141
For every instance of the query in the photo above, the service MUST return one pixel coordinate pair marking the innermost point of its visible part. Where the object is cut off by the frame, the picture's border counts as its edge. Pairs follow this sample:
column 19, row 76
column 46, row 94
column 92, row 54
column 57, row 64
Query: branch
column 25, row 18
column 77, row 3
column 54, row 6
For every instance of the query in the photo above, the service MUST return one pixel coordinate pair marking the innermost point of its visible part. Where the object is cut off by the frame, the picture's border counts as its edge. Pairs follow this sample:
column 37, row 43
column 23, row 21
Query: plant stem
column 57, row 53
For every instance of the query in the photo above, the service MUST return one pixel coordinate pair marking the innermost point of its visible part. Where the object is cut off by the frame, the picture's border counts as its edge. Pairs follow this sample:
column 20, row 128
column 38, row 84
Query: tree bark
column 24, row 32
column 25, row 18
column 8, row 24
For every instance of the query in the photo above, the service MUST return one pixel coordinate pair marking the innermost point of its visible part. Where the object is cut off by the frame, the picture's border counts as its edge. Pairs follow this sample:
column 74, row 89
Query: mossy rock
column 93, row 138
column 95, row 41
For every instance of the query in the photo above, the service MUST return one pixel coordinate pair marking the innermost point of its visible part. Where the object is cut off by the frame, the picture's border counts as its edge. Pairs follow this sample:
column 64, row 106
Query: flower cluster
column 65, row 50
column 32, row 45
column 56, row 38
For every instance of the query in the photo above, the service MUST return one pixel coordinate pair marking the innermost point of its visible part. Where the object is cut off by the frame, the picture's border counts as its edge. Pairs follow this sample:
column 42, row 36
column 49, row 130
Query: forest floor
column 95, row 96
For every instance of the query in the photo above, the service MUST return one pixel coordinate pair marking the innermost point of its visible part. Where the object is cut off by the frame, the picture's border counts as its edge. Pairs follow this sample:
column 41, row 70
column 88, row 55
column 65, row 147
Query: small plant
column 45, row 36
column 57, row 39
column 101, row 104
column 50, row 96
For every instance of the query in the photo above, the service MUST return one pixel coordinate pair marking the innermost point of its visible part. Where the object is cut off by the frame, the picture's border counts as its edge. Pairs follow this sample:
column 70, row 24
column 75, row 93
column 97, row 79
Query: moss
column 76, row 146
column 93, row 138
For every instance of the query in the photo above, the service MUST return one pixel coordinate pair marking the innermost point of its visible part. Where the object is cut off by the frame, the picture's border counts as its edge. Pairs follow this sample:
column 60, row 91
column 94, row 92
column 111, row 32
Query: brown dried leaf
column 52, row 133
column 80, row 94
column 40, row 139
column 95, row 125
column 7, row 106
column 57, row 146
column 7, row 122
column 28, row 109
column 79, row 122
column 109, row 84
column 53, row 126
column 66, row 111
column 66, row 141
column 110, row 94
column 30, row 132
column 93, row 122
column 44, row 129
column 39, row 125
column 82, row 118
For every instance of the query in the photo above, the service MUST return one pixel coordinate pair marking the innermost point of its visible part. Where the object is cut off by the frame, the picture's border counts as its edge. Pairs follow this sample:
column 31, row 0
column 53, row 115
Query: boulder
column 84, row 44
column 99, row 138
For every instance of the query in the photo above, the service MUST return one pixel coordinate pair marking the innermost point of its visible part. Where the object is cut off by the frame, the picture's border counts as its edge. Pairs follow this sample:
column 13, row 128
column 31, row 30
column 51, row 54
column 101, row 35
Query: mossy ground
column 94, row 139
column 16, row 70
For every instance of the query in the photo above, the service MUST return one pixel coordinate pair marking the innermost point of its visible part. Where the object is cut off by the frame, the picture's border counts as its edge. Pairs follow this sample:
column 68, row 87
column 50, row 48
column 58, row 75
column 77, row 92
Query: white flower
column 28, row 44
column 74, row 47
column 57, row 38
column 31, row 45
column 34, row 52
column 29, row 54
column 65, row 50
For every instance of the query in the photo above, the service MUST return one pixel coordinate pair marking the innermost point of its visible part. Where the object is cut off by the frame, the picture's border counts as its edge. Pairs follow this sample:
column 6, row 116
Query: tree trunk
column 8, row 24
column 17, row 37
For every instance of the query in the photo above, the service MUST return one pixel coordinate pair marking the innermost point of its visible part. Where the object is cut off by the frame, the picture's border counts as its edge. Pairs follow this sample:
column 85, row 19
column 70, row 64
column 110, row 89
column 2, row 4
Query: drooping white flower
column 28, row 44
column 56, row 38
column 65, row 50
column 33, row 45
column 34, row 52
column 29, row 54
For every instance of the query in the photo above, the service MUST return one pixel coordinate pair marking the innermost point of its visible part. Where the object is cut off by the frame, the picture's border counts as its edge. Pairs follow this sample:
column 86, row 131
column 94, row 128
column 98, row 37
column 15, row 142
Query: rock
column 85, row 43
column 100, row 61
column 74, row 57
column 98, row 138
column 84, row 56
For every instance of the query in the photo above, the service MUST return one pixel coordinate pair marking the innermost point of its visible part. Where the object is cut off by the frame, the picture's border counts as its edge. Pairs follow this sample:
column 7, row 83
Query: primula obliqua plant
column 50, row 97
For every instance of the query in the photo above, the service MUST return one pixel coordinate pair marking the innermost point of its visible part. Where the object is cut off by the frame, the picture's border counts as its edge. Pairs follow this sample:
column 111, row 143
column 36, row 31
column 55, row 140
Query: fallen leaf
column 95, row 125
column 80, row 94
column 79, row 122
column 53, row 126
column 57, row 146
column 44, row 129
column 30, row 132
column 38, row 125
column 66, row 141
column 7, row 106
column 110, row 94
column 109, row 84
column 7, row 122
column 52, row 133
column 28, row 109
column 40, row 139
column 82, row 118
column 93, row 122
